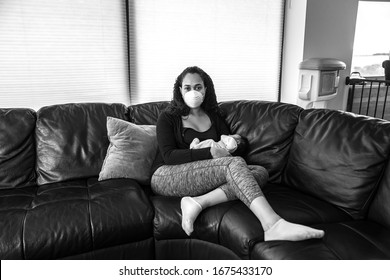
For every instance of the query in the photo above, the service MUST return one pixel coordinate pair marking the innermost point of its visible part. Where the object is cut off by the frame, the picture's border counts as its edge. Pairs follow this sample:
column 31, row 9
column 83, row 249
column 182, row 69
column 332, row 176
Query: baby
column 227, row 142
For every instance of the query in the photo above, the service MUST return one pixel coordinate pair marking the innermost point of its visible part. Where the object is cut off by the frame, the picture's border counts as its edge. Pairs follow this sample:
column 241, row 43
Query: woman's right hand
column 219, row 152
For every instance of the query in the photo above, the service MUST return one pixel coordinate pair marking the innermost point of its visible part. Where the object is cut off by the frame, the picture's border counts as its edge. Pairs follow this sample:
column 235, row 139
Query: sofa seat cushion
column 351, row 240
column 14, row 204
column 140, row 250
column 73, row 217
column 299, row 207
column 192, row 249
column 234, row 226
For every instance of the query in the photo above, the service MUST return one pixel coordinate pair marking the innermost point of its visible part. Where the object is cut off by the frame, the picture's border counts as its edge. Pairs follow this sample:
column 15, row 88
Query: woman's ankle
column 264, row 212
column 270, row 222
column 212, row 198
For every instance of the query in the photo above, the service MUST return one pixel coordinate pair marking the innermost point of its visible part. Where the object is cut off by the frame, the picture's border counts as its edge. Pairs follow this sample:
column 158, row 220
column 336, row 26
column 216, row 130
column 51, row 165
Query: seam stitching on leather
column 24, row 224
column 220, row 221
column 369, row 240
column 90, row 216
column 332, row 251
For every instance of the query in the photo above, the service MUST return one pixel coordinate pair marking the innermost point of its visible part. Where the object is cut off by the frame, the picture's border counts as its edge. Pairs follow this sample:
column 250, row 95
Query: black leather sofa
column 328, row 169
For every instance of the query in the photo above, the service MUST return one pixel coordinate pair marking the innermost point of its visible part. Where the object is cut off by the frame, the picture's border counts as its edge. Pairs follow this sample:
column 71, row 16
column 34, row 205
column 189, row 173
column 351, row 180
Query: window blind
column 238, row 43
column 55, row 52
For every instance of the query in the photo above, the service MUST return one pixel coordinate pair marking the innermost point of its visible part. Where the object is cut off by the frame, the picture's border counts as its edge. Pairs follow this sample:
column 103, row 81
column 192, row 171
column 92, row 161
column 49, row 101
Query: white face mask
column 193, row 98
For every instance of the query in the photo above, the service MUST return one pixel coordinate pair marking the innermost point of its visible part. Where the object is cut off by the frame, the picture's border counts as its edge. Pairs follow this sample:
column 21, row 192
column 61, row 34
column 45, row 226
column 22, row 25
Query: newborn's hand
column 219, row 152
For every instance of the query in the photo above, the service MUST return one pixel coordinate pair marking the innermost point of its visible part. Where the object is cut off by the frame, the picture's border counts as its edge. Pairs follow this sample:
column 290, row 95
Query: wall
column 294, row 39
column 329, row 30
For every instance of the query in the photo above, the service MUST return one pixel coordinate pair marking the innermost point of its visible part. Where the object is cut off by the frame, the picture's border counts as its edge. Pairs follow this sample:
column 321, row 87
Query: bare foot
column 190, row 210
column 283, row 230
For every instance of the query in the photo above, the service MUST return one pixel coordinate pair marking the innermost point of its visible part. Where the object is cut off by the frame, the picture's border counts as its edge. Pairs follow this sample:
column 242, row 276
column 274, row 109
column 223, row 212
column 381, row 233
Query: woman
column 209, row 176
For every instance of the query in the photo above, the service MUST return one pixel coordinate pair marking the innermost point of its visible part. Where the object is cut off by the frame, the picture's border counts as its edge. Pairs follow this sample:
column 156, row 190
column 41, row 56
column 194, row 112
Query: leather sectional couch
column 328, row 169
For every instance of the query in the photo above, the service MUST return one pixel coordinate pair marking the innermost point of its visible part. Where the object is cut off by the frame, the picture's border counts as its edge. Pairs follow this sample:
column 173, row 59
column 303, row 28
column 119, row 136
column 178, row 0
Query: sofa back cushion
column 338, row 157
column 17, row 148
column 269, row 128
column 380, row 206
column 146, row 113
column 72, row 140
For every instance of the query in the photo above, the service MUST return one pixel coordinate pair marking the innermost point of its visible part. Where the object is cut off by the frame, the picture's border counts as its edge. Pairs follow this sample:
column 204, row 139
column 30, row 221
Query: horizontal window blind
column 55, row 52
column 237, row 42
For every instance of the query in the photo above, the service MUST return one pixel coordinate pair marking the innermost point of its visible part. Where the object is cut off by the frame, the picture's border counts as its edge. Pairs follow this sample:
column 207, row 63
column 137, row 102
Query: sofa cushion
column 72, row 218
column 299, row 207
column 167, row 220
column 146, row 113
column 14, row 205
column 269, row 128
column 131, row 151
column 141, row 250
column 380, row 206
column 351, row 240
column 234, row 226
column 192, row 249
column 338, row 157
column 72, row 140
column 240, row 230
column 17, row 148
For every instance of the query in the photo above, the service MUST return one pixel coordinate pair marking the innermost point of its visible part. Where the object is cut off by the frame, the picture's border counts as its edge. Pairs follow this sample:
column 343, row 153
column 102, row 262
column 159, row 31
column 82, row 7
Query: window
column 372, row 43
column 238, row 43
column 55, row 52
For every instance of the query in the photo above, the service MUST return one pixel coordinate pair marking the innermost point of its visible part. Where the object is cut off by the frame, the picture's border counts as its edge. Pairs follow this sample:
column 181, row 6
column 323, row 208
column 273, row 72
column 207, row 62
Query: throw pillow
column 131, row 151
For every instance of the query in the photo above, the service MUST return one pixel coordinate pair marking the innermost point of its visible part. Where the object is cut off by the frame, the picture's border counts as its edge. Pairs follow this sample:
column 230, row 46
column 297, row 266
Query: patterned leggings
column 231, row 174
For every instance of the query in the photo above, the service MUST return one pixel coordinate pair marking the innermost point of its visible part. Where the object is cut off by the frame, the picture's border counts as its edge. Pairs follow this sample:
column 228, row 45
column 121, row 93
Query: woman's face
column 192, row 81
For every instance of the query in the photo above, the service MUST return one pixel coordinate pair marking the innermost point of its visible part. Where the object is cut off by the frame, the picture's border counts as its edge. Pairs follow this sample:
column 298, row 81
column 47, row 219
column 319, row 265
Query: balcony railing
column 369, row 97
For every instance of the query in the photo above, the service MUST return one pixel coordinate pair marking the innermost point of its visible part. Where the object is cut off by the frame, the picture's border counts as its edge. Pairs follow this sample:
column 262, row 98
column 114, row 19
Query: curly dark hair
column 210, row 104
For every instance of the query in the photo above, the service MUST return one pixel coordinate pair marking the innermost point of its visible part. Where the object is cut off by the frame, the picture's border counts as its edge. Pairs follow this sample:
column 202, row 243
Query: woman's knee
column 229, row 160
column 258, row 169
column 155, row 185
column 260, row 173
column 237, row 161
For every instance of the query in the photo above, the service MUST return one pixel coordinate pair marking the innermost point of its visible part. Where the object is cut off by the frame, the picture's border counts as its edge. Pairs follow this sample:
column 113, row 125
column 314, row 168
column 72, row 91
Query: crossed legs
column 209, row 182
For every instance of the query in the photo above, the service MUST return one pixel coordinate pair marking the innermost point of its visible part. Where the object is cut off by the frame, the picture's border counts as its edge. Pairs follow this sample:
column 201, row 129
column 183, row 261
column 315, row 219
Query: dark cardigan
column 172, row 148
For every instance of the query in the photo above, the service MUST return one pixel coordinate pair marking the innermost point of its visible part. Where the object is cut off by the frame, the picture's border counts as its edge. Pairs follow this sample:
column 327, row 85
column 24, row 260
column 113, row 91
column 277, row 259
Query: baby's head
column 231, row 142
column 237, row 137
column 242, row 143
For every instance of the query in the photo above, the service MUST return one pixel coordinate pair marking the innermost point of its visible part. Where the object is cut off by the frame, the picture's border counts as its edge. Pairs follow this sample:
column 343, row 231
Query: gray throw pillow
column 131, row 151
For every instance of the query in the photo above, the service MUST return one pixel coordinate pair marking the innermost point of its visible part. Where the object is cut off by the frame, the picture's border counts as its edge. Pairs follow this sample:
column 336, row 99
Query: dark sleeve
column 222, row 127
column 169, row 144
